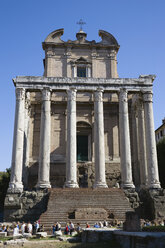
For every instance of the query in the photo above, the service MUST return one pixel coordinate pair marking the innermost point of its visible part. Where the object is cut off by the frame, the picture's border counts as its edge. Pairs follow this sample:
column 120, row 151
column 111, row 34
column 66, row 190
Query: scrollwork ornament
column 20, row 93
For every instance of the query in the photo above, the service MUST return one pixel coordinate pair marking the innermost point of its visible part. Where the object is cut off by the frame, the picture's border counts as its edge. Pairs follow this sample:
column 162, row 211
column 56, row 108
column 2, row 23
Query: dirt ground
column 60, row 244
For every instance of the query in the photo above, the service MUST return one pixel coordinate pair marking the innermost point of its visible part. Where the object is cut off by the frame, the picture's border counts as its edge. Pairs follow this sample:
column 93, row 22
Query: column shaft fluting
column 100, row 181
column 71, row 152
column 125, row 151
column 153, row 175
column 44, row 153
column 142, row 146
column 17, row 153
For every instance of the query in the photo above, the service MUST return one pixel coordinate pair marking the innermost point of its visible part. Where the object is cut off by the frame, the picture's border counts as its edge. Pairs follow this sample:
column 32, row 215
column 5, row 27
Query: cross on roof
column 81, row 23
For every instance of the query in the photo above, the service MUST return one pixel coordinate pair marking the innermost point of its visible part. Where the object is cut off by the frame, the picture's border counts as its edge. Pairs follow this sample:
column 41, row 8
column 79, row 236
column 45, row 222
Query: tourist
column 58, row 227
column 100, row 224
column 78, row 228
column 67, row 229
column 23, row 228
column 35, row 227
column 3, row 228
column 53, row 228
column 18, row 225
column 96, row 225
column 41, row 229
column 16, row 231
column 105, row 223
column 29, row 227
column 87, row 225
column 71, row 227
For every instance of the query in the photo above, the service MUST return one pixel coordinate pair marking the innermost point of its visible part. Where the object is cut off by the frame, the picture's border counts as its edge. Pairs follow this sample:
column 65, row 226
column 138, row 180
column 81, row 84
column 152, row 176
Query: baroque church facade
column 80, row 125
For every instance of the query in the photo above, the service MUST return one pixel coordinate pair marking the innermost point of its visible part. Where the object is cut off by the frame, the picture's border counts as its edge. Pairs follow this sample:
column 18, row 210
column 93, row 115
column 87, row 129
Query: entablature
column 143, row 83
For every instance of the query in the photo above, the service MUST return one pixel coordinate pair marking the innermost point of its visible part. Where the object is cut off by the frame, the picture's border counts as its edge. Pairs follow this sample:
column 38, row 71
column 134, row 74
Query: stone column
column 134, row 140
column 44, row 153
column 26, row 141
column 71, row 152
column 153, row 175
column 15, row 184
column 142, row 145
column 100, row 181
column 125, row 151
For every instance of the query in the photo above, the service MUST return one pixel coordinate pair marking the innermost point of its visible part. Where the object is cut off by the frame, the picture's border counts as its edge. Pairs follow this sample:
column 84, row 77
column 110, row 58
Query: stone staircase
column 84, row 205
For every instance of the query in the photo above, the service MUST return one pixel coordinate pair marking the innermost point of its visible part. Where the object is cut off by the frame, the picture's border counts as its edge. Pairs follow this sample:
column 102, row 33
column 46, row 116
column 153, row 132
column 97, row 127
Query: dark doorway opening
column 82, row 148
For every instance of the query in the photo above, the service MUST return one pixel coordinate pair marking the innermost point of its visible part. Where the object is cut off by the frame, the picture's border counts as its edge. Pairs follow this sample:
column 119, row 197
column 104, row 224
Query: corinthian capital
column 123, row 95
column 46, row 94
column 20, row 93
column 72, row 94
column 98, row 95
column 147, row 96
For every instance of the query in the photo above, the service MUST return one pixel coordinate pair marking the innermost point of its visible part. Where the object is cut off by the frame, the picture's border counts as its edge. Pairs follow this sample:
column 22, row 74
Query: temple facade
column 80, row 125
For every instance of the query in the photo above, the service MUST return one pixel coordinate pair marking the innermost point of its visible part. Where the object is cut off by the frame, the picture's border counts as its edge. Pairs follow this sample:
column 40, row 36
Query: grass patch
column 5, row 238
column 153, row 229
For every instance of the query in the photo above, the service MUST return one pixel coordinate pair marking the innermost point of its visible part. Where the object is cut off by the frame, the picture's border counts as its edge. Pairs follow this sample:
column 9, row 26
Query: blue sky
column 138, row 26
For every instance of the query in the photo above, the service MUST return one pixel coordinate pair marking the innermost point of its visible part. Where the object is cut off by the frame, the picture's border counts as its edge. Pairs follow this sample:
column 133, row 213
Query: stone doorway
column 82, row 148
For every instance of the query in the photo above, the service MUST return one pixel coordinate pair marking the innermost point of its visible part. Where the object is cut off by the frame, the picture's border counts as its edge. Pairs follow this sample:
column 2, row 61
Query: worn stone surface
column 132, row 222
column 91, row 213
column 26, row 206
column 92, row 235
column 153, row 203
column 140, row 239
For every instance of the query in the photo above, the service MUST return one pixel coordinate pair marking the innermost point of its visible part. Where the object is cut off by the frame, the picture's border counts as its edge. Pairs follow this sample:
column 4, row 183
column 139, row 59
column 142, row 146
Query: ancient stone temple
column 81, row 126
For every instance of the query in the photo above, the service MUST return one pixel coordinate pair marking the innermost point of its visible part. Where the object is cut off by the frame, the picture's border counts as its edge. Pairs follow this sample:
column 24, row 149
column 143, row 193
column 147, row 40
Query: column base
column 100, row 185
column 154, row 185
column 127, row 186
column 43, row 185
column 15, row 188
column 71, row 184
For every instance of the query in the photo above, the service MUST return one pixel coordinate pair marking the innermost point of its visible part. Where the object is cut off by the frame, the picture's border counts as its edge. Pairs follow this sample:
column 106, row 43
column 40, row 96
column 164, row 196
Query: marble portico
column 124, row 88
column 80, row 125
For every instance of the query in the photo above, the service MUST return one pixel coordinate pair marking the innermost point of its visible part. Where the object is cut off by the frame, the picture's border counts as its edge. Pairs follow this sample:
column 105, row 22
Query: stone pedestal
column 100, row 181
column 15, row 184
column 44, row 154
column 153, row 176
column 71, row 157
column 132, row 223
column 125, row 151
